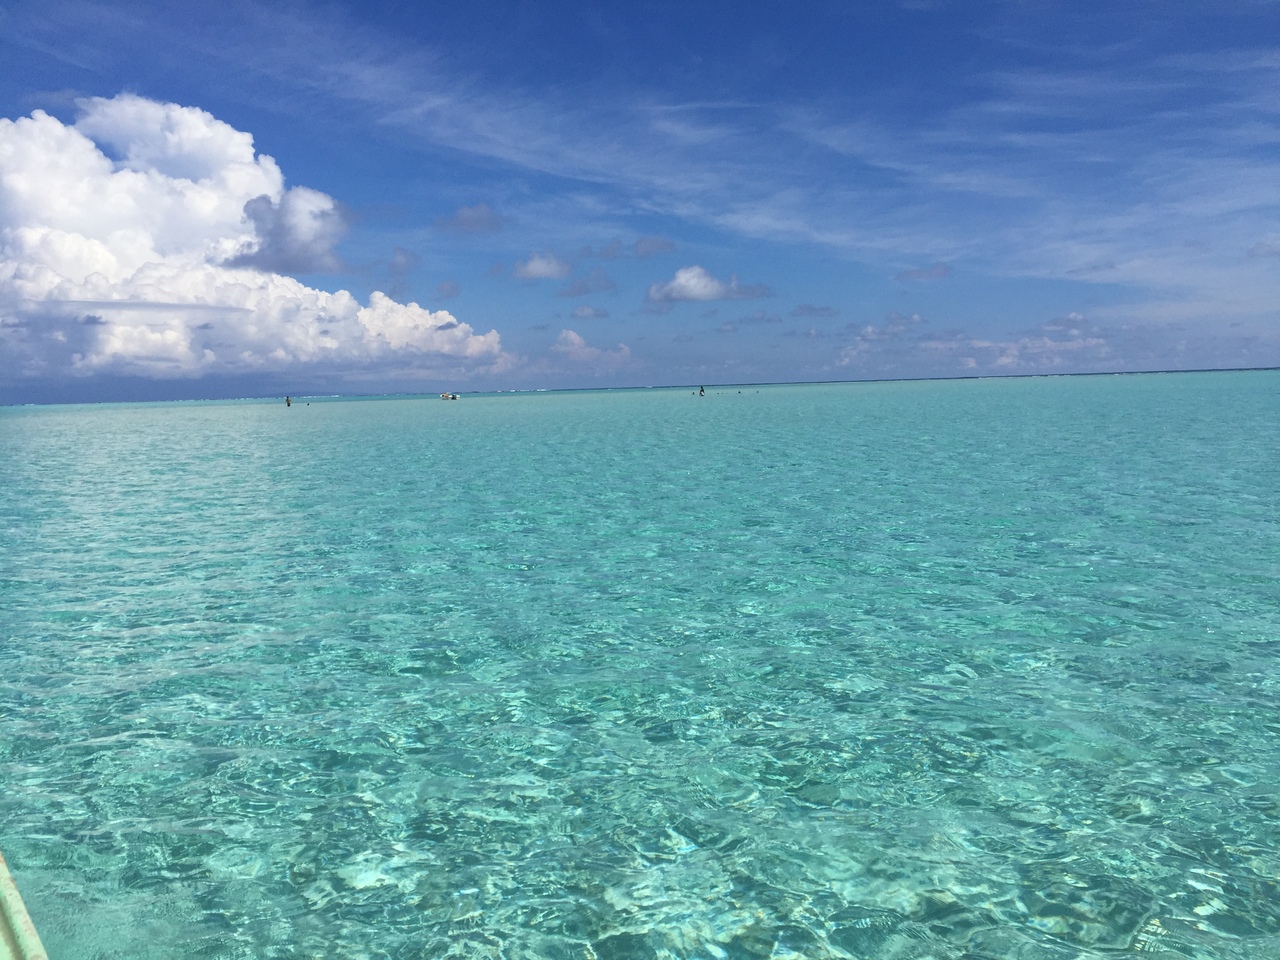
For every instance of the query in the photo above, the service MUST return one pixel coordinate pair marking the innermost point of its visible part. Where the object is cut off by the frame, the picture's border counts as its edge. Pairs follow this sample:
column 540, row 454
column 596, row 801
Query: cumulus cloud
column 572, row 346
column 478, row 219
column 695, row 283
column 409, row 325
column 294, row 234
column 542, row 266
column 162, row 224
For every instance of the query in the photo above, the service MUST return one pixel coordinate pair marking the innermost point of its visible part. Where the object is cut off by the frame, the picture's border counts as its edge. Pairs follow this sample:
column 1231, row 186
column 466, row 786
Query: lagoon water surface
column 979, row 669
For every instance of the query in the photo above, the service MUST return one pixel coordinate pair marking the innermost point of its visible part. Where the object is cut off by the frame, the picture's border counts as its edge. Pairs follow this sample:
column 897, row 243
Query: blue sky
column 231, row 199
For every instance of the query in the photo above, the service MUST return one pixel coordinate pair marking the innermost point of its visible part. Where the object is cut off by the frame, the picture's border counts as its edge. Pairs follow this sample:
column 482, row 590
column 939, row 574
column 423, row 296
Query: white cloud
column 170, row 259
column 542, row 266
column 586, row 312
column 179, row 143
column 572, row 345
column 695, row 283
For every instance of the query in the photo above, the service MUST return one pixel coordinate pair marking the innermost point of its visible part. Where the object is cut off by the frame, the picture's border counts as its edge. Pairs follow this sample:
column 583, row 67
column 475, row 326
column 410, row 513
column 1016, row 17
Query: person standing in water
column 702, row 391
column 288, row 402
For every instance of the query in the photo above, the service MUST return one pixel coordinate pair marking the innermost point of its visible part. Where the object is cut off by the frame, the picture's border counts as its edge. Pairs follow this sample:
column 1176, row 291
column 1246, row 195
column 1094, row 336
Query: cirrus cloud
column 150, row 239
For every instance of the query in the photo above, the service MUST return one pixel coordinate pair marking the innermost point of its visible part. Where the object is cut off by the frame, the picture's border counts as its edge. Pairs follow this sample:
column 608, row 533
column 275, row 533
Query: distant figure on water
column 702, row 391
column 288, row 402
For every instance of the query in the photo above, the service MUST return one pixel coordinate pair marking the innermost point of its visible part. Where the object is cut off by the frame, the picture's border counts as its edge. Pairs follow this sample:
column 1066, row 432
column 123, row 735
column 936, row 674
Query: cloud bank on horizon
column 151, row 239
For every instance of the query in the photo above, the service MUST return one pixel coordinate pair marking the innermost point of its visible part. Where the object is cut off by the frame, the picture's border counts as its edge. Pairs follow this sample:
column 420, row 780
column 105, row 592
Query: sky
column 258, row 199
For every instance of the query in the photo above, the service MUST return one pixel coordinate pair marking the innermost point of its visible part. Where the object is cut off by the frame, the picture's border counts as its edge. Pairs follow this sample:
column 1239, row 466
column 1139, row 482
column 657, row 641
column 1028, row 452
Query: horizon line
column 664, row 386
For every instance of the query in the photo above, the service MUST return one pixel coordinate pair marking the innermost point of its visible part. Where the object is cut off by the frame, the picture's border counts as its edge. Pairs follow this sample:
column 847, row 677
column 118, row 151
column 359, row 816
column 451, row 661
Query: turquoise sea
column 967, row 669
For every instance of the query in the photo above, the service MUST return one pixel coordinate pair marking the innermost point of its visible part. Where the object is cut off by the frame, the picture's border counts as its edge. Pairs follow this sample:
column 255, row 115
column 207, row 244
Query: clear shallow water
column 951, row 670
